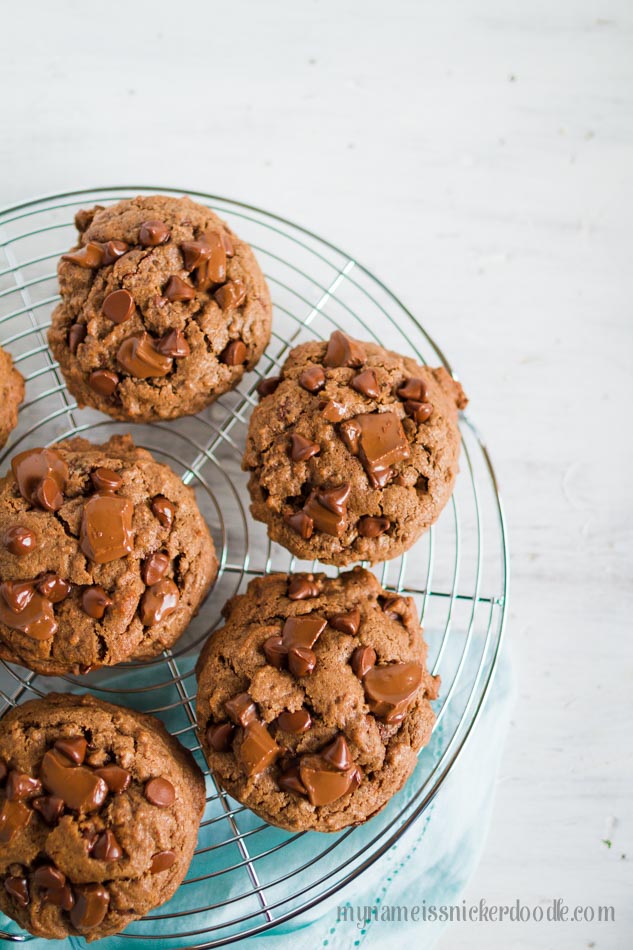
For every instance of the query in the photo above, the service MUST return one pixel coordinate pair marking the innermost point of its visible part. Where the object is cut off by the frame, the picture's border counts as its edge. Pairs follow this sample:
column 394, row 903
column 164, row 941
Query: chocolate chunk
column 152, row 233
column 219, row 736
column 47, row 876
column 91, row 906
column 154, row 568
column 60, row 896
column 323, row 785
column 74, row 748
column 160, row 792
column 48, row 496
column 53, row 588
column 35, row 466
column 266, row 387
column 295, row 722
column 20, row 786
column 312, row 379
column 227, row 244
column 241, row 709
column 302, row 631
column 164, row 510
column 178, row 291
column 379, row 439
column 89, row 256
column 158, row 602
column 50, row 807
column 36, row 620
column 301, row 449
column 347, row 623
column 212, row 268
column 366, row 384
column 390, row 689
column 17, row 594
column 234, row 353
column 106, row 847
column 116, row 778
column 275, row 652
column 328, row 509
column 363, row 658
column 162, row 861
column 79, row 787
column 343, row 351
column 258, row 749
column 106, row 480
column 119, row 306
column 18, row 889
column 302, row 587
column 230, row 295
column 14, row 817
column 373, row 527
column 106, row 528
column 421, row 411
column 301, row 661
column 95, row 602
column 413, row 388
column 332, row 411
column 195, row 253
column 301, row 523
column 139, row 357
column 338, row 754
column 76, row 335
column 103, row 382
column 112, row 251
column 290, row 781
column 19, row 541
column 174, row 344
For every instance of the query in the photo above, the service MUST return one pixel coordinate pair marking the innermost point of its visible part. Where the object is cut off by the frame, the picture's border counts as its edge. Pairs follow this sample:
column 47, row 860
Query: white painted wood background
column 479, row 157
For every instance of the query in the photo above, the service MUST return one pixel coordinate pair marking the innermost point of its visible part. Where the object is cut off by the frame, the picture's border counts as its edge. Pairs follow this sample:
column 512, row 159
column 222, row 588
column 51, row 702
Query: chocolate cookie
column 104, row 556
column 163, row 309
column 313, row 700
column 353, row 451
column 99, row 815
column 11, row 395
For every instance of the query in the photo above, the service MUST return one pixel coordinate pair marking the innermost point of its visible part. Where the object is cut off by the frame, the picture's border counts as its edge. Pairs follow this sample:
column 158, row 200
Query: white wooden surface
column 479, row 157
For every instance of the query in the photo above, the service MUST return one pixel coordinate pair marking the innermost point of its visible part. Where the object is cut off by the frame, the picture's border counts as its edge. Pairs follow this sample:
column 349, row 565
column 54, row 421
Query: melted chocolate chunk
column 258, row 749
column 363, row 658
column 230, row 295
column 17, row 594
column 53, row 588
column 79, row 787
column 328, row 509
column 20, row 786
column 391, row 689
column 36, row 619
column 18, row 889
column 373, row 527
column 241, row 709
column 301, row 523
column 74, row 748
column 312, row 379
column 106, row 528
column 420, row 411
column 105, row 480
column 343, row 351
column 38, row 467
column 220, row 736
column 290, row 781
column 302, row 631
column 379, row 439
column 323, row 785
column 50, row 807
column 119, row 306
column 302, row 587
column 158, row 602
column 14, row 817
column 91, row 906
column 332, row 411
column 116, row 778
column 154, row 568
column 139, row 357
column 112, row 251
column 19, row 541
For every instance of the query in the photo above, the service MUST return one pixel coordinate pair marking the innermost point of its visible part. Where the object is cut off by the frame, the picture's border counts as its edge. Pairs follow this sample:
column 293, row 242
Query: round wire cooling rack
column 246, row 876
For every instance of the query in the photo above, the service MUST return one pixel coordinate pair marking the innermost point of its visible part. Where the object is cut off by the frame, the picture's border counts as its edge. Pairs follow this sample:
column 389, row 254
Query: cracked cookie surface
column 163, row 309
column 99, row 815
column 353, row 451
column 11, row 395
column 104, row 556
column 314, row 698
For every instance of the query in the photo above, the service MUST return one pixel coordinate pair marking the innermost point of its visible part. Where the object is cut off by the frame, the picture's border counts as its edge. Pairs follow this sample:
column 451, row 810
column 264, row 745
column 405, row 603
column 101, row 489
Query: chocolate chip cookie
column 353, row 451
column 313, row 700
column 11, row 395
column 99, row 815
column 163, row 309
column 104, row 556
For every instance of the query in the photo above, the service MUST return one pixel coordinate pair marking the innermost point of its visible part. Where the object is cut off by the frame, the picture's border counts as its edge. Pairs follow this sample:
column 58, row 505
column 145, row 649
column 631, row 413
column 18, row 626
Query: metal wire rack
column 246, row 876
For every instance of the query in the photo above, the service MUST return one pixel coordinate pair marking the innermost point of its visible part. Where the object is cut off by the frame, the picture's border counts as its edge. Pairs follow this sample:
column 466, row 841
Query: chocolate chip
column 390, row 689
column 60, row 897
column 301, row 523
column 312, row 379
column 302, row 587
column 258, row 749
column 77, row 785
column 106, row 528
column 343, row 351
column 89, row 256
column 47, row 495
column 373, row 527
column 91, row 906
column 164, row 510
column 116, row 778
column 112, row 251
column 338, row 754
column 301, row 449
column 266, row 387
column 275, row 652
column 178, row 291
column 211, row 263
column 53, row 587
column 174, row 344
column 241, row 709
column 366, row 384
column 290, row 781
column 301, row 661
column 76, row 335
column 17, row 594
column 420, row 411
column 347, row 623
column 106, row 480
column 234, row 353
column 18, row 889
column 152, row 233
column 50, row 807
column 332, row 411
column 19, row 541
column 95, row 602
column 395, row 606
column 106, row 847
column 220, row 735
column 195, row 253
column 363, row 658
column 20, row 786
column 230, row 295
column 161, row 861
column 103, row 382
column 295, row 722
column 158, row 602
column 119, row 306
column 154, row 568
column 74, row 748
column 47, row 875
column 160, row 792
column 413, row 388
column 138, row 356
